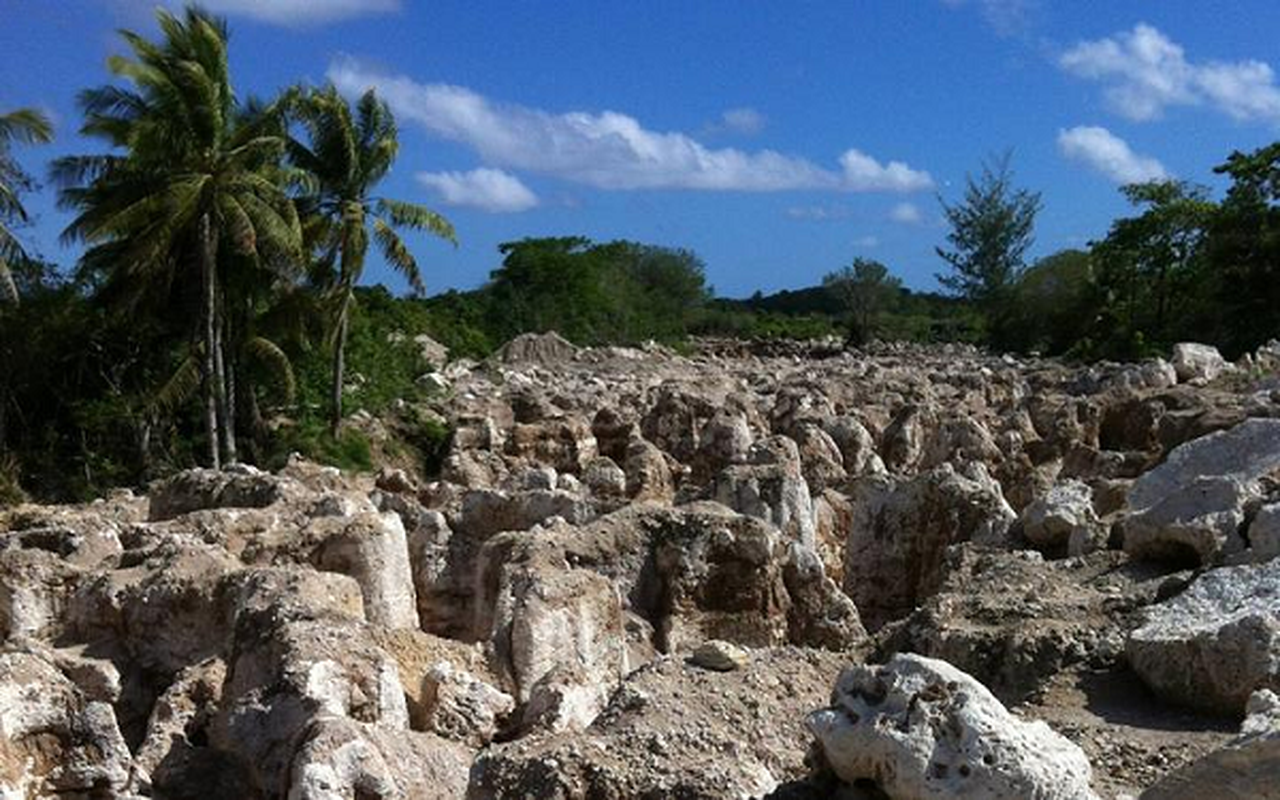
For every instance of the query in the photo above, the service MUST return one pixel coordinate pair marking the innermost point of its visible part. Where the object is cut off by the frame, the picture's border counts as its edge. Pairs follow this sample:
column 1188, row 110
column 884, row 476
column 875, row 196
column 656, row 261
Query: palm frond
column 273, row 359
column 418, row 217
column 180, row 388
column 398, row 255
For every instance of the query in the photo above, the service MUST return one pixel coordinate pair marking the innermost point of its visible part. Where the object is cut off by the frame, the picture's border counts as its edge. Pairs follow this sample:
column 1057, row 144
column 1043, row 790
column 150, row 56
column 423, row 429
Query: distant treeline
column 217, row 313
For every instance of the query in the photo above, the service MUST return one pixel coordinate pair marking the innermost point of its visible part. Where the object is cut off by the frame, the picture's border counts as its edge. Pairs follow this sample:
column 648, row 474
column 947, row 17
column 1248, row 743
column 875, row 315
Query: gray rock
column 1217, row 642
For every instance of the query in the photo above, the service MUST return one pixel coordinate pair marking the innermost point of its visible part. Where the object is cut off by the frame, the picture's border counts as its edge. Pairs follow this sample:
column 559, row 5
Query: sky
column 778, row 141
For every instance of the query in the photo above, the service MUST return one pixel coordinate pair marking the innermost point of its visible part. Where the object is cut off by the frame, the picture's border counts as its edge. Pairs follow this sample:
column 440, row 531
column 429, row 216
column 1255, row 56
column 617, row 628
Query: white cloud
column 745, row 121
column 487, row 189
column 906, row 213
column 1145, row 72
column 289, row 13
column 862, row 173
column 1103, row 151
column 829, row 213
column 610, row 150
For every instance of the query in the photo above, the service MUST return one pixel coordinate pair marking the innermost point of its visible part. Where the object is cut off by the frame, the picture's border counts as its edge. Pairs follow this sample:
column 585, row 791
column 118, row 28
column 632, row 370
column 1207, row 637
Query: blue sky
column 778, row 140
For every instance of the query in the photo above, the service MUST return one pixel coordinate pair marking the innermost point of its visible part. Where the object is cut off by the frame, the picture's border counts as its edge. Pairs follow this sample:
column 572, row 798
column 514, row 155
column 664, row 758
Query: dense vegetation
column 217, row 313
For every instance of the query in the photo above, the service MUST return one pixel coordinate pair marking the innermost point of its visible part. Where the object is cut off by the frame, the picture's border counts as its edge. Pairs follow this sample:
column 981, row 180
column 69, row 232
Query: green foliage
column 349, row 450
column 1052, row 303
column 595, row 293
column 991, row 229
column 32, row 127
column 866, row 292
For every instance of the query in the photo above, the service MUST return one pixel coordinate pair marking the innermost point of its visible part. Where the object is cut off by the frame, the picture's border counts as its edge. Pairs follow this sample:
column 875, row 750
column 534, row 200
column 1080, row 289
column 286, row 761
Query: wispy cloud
column 287, row 13
column 741, row 121
column 906, row 214
column 1103, row 151
column 824, row 213
column 867, row 242
column 1005, row 17
column 486, row 189
column 1145, row 72
column 610, row 150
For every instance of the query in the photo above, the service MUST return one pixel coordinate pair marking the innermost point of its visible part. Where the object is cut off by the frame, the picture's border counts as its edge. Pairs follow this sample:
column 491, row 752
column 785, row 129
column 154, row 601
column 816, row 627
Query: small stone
column 719, row 656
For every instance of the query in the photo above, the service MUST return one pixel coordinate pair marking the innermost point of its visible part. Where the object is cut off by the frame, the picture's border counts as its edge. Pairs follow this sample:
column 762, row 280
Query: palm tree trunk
column 208, row 257
column 339, row 363
column 226, row 387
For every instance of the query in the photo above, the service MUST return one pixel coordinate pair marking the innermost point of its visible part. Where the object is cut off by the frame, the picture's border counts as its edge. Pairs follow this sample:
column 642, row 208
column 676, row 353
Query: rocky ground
column 780, row 571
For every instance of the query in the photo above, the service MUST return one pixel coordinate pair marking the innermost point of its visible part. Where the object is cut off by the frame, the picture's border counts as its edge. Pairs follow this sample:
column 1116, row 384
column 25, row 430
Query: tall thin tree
column 196, row 181
column 347, row 154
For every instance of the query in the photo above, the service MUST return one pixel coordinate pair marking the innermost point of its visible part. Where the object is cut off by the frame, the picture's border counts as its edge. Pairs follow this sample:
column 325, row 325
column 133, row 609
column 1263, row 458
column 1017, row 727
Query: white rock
column 1065, row 512
column 1194, row 361
column 1196, row 498
column 1215, row 643
column 923, row 729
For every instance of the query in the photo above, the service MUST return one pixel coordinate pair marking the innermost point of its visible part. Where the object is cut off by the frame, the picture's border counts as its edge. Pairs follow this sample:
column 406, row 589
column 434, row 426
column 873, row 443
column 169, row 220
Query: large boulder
column 920, row 728
column 55, row 741
column 1191, row 507
column 1193, row 361
column 900, row 533
column 771, row 487
column 537, row 348
column 1063, row 520
column 1214, row 644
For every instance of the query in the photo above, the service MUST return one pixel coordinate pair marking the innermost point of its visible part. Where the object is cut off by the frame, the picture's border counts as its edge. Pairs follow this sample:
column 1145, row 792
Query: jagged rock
column 537, row 348
column 1213, row 645
column 725, row 440
column 1014, row 621
column 431, row 351
column 1193, row 504
column 238, row 487
column 1246, row 767
column 605, row 478
column 771, row 487
column 1064, row 520
column 900, row 532
column 459, row 706
column 286, row 673
column 567, row 444
column 675, row 730
column 1202, row 362
column 54, row 741
column 648, row 476
column 921, row 728
column 339, row 758
column 857, row 446
column 820, row 458
column 373, row 549
column 172, row 760
column 1264, row 533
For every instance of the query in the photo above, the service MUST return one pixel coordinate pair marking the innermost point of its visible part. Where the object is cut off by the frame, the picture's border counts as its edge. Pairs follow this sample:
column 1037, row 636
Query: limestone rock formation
column 921, row 728
column 1214, row 644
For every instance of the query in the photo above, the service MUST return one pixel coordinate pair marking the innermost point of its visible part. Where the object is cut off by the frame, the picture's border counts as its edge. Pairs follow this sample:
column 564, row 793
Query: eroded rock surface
column 636, row 573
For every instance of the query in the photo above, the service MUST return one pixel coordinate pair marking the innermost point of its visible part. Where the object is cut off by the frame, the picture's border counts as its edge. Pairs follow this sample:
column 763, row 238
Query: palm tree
column 32, row 127
column 196, row 191
column 29, row 126
column 345, row 156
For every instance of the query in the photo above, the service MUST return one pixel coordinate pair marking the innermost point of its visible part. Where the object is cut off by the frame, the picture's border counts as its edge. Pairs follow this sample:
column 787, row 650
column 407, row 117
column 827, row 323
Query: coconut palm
column 345, row 155
column 194, row 195
column 32, row 127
